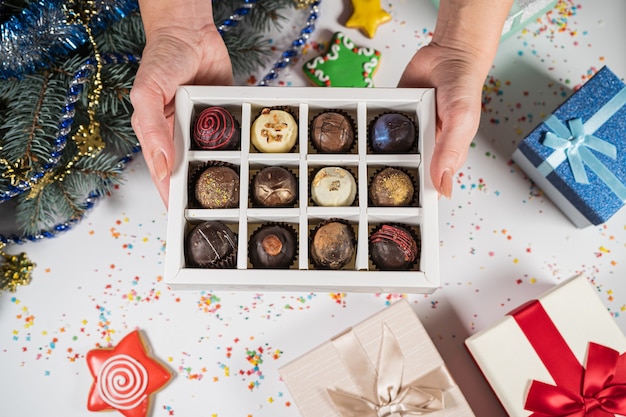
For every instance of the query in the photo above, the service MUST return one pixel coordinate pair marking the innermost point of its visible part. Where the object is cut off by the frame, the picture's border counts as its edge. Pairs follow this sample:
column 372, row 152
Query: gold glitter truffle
column 218, row 187
column 391, row 187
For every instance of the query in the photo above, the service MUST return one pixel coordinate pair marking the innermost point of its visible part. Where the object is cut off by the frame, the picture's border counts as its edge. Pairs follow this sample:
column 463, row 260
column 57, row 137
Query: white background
column 502, row 243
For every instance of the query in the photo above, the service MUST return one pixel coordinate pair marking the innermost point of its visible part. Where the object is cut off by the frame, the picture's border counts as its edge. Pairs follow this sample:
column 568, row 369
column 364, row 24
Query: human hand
column 458, row 80
column 181, row 48
column 456, row 63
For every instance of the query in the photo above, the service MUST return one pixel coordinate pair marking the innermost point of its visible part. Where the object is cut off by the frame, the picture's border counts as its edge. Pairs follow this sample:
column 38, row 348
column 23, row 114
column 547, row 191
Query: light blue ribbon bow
column 573, row 143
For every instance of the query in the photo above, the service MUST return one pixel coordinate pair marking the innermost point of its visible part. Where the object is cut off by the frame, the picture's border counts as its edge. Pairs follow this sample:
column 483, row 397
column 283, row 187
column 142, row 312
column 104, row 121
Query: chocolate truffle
column 274, row 131
column 216, row 128
column 272, row 246
column 333, row 186
column 218, row 187
column 393, row 248
column 332, row 245
column 391, row 187
column 332, row 132
column 392, row 133
column 274, row 187
column 211, row 244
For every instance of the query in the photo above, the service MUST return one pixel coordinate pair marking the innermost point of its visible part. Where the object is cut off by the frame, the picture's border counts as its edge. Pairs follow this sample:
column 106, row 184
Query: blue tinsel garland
column 32, row 39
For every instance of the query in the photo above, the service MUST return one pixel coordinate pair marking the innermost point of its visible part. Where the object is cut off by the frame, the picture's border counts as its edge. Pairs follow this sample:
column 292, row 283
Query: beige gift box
column 511, row 362
column 386, row 365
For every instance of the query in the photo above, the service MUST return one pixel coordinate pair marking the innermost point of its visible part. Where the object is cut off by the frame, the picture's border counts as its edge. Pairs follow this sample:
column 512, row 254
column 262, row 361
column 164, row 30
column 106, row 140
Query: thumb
column 155, row 135
column 451, row 146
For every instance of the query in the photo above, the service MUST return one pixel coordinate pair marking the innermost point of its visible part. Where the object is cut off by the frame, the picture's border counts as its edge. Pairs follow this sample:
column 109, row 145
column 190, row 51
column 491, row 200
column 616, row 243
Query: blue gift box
column 578, row 154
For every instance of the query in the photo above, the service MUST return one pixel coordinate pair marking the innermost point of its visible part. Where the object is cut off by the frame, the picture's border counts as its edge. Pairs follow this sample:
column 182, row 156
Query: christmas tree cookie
column 124, row 377
column 343, row 64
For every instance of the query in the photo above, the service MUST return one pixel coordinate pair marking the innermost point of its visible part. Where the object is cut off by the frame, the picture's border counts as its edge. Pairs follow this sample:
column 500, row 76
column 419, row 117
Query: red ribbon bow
column 597, row 391
column 603, row 392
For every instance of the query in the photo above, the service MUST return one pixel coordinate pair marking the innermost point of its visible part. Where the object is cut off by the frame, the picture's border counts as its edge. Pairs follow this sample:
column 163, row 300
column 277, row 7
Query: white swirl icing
column 333, row 52
column 122, row 382
column 314, row 62
column 366, row 51
column 370, row 66
column 347, row 42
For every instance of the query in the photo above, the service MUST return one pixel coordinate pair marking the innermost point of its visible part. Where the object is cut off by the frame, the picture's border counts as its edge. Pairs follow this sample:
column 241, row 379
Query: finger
column 154, row 134
column 458, row 129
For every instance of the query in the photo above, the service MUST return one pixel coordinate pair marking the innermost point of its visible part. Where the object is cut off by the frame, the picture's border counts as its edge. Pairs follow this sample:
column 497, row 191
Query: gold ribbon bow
column 381, row 393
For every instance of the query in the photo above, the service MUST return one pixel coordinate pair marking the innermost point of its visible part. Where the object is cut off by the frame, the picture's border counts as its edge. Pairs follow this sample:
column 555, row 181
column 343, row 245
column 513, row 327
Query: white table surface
column 501, row 243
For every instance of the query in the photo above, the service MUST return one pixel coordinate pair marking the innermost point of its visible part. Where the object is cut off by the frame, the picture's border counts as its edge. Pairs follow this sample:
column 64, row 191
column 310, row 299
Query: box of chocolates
column 303, row 189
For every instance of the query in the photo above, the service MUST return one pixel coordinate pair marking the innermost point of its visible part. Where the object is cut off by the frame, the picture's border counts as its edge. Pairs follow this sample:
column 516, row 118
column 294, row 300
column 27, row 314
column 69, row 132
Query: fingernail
column 445, row 187
column 159, row 162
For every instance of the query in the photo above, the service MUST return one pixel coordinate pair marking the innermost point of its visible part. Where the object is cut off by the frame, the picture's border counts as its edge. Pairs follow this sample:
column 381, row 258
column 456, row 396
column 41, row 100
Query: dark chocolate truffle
column 332, row 245
column 218, row 187
column 272, row 246
column 332, row 132
column 211, row 244
column 392, row 133
column 216, row 128
column 391, row 187
column 274, row 187
column 393, row 248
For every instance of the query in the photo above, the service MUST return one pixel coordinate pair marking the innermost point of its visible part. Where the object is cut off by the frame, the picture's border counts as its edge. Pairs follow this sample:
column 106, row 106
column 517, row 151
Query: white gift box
column 363, row 105
column 354, row 370
column 546, row 340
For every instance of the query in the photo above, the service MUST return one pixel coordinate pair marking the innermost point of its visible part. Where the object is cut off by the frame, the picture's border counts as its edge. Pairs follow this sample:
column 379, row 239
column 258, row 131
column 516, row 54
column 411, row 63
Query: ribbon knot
column 603, row 393
column 382, row 393
column 573, row 142
column 592, row 403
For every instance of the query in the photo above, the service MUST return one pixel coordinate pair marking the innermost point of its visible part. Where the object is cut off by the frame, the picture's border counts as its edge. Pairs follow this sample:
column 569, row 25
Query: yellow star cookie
column 367, row 15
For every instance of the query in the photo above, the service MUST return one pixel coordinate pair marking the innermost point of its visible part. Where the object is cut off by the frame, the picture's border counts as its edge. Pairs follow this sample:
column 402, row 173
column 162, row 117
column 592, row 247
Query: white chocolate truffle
column 274, row 131
column 333, row 186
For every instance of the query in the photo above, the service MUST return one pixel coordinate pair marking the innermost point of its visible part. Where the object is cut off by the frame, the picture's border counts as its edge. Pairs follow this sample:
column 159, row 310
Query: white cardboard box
column 362, row 105
column 509, row 362
column 310, row 376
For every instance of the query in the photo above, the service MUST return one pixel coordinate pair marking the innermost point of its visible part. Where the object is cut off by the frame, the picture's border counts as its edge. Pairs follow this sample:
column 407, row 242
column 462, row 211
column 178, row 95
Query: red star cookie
column 343, row 65
column 124, row 377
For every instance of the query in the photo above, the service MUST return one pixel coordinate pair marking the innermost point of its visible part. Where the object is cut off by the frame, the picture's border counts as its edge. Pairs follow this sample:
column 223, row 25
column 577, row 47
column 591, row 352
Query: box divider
column 362, row 251
column 244, row 170
column 303, row 250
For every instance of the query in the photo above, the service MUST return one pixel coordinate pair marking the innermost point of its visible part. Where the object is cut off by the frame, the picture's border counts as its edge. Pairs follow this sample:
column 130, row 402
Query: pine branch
column 266, row 15
column 32, row 118
column 61, row 201
column 247, row 47
column 247, row 52
column 125, row 36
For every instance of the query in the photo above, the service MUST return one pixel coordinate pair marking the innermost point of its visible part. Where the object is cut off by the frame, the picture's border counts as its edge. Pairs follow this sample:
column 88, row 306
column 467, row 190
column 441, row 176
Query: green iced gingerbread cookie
column 343, row 64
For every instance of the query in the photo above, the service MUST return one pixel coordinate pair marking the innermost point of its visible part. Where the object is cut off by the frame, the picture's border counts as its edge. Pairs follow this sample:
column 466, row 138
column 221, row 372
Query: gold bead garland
column 301, row 4
column 88, row 139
